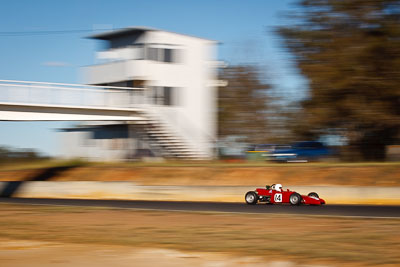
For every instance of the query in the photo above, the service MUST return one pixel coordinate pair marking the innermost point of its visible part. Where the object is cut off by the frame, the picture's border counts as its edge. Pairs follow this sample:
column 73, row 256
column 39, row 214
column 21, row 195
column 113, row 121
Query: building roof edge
column 107, row 35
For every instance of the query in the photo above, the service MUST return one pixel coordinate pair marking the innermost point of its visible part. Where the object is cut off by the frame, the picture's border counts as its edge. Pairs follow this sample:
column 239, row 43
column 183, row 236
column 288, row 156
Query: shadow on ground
column 12, row 188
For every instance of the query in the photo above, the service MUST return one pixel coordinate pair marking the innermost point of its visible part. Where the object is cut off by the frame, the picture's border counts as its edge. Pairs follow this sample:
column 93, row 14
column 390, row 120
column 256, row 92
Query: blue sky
column 244, row 29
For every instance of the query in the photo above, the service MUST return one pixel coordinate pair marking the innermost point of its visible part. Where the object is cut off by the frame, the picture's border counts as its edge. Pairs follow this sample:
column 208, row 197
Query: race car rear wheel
column 295, row 199
column 251, row 198
column 313, row 194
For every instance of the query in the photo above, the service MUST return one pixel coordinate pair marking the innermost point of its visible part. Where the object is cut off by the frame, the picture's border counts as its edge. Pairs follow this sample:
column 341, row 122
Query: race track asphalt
column 381, row 211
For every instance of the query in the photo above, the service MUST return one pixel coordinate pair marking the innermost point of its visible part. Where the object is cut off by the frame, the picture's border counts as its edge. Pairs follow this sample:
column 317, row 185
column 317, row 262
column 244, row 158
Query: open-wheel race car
column 274, row 194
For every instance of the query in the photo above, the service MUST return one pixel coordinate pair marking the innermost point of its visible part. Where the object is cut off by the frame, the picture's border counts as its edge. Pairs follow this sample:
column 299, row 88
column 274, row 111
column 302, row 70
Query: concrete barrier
column 133, row 191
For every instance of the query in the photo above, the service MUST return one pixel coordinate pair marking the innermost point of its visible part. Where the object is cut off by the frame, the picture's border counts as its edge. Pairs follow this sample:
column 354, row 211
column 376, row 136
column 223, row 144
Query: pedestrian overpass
column 41, row 101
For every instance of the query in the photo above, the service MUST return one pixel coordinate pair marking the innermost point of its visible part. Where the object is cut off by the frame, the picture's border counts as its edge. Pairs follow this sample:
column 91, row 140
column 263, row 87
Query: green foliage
column 350, row 52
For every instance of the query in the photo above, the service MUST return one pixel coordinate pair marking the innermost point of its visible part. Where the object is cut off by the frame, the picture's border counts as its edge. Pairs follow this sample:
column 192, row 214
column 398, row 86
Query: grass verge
column 303, row 239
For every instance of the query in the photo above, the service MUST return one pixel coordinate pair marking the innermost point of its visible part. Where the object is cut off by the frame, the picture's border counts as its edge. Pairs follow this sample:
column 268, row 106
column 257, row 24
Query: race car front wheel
column 251, row 198
column 295, row 199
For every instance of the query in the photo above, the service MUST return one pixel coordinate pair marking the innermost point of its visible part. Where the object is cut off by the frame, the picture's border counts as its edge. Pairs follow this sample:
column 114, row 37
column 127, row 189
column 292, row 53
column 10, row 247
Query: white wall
column 81, row 144
column 195, row 116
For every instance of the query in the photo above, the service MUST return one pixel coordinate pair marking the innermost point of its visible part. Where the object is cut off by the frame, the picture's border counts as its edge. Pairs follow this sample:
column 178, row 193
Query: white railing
column 75, row 95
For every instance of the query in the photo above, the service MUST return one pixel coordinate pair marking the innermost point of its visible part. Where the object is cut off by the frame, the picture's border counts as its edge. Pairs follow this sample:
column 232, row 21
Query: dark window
column 162, row 54
column 110, row 132
column 167, row 96
column 157, row 95
column 124, row 40
column 168, row 53
column 163, row 96
column 152, row 53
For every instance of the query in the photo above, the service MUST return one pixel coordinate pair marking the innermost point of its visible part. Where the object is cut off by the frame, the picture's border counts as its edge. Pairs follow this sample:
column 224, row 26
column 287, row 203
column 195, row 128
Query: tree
column 242, row 104
column 350, row 52
column 12, row 155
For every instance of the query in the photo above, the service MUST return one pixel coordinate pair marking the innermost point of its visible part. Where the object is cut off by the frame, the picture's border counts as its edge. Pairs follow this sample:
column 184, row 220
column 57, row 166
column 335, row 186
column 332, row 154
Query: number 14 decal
column 278, row 198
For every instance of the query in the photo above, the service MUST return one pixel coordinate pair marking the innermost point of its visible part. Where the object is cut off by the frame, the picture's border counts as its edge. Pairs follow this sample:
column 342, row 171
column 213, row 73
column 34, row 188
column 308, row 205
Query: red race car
column 274, row 194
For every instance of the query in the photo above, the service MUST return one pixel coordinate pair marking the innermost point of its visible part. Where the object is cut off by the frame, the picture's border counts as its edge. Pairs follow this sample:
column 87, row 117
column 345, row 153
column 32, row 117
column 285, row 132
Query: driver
column 277, row 187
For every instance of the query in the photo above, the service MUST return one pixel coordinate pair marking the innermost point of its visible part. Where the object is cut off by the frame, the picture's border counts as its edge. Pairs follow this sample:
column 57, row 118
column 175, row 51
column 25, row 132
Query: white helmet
column 278, row 187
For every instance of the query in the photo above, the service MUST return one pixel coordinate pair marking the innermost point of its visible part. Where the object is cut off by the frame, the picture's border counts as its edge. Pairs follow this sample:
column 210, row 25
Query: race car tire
column 251, row 198
column 295, row 199
column 313, row 194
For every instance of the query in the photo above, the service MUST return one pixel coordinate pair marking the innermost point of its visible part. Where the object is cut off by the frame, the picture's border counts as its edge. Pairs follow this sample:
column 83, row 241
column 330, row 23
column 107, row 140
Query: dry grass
column 300, row 238
column 212, row 173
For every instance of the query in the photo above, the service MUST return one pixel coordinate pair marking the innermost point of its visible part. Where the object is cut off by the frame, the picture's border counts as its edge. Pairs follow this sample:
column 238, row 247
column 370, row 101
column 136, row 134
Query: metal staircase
column 165, row 140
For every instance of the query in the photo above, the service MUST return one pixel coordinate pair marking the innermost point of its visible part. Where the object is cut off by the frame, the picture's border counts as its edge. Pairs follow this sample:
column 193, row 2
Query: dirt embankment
column 374, row 175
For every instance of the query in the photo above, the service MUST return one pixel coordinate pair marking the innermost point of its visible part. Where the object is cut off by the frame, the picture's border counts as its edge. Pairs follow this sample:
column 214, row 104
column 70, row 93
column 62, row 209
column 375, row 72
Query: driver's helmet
column 278, row 187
